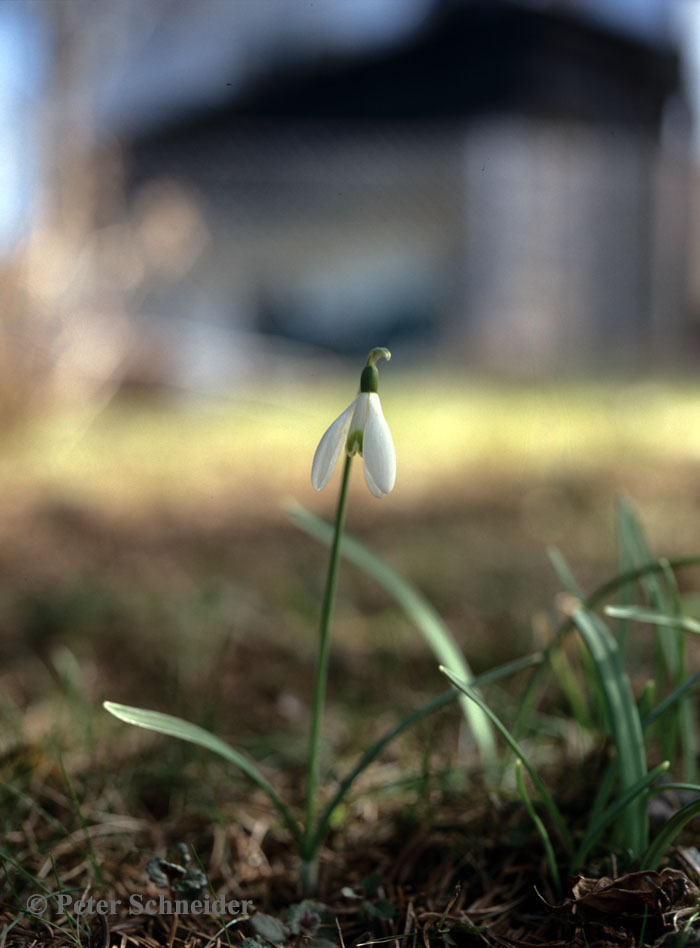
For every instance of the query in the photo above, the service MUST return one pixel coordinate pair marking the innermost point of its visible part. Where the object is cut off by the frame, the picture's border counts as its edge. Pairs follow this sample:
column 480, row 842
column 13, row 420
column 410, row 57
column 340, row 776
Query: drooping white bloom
column 362, row 429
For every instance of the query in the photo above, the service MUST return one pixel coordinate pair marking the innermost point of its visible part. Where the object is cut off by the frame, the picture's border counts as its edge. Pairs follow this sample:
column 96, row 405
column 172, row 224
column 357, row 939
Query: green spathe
column 369, row 380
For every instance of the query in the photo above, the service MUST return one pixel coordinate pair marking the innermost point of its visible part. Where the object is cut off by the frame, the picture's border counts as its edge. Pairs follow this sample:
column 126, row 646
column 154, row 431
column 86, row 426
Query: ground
column 147, row 559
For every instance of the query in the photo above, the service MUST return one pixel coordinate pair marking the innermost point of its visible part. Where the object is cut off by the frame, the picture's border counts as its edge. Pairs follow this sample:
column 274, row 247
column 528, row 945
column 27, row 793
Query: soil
column 214, row 619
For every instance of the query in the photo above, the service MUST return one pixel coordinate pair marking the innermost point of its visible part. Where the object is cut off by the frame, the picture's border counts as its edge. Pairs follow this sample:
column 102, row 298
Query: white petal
column 329, row 448
column 359, row 419
column 378, row 450
column 372, row 486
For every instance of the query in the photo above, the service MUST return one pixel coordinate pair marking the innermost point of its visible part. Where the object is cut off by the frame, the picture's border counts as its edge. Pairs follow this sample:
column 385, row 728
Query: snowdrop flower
column 362, row 430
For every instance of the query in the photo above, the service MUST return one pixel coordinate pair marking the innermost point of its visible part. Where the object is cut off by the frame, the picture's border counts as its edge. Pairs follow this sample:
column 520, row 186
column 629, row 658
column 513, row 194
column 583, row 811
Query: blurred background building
column 193, row 189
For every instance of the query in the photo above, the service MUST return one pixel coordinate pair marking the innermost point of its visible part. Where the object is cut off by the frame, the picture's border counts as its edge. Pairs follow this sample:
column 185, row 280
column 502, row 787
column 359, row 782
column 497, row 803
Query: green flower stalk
column 361, row 429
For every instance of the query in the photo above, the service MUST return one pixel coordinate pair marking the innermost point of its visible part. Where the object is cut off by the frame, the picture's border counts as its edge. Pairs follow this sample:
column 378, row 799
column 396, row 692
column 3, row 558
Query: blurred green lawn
column 256, row 447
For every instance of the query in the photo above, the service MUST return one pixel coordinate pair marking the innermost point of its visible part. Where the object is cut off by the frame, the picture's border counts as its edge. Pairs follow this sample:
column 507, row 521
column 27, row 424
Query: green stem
column 539, row 826
column 369, row 755
column 308, row 875
column 495, row 674
column 322, row 666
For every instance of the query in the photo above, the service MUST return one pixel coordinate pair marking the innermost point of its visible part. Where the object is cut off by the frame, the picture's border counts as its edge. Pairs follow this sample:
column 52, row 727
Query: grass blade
column 637, row 551
column 687, row 714
column 37, row 884
column 559, row 661
column 646, row 701
column 369, row 755
column 640, row 614
column 687, row 707
column 418, row 610
column 626, row 559
column 669, row 700
column 663, row 840
column 595, row 828
column 507, row 669
column 682, row 724
column 571, row 687
column 564, row 573
column 624, row 722
column 671, row 785
column 83, row 824
column 549, row 803
column 603, row 792
column 661, row 594
column 610, row 586
column 539, row 826
column 184, row 731
column 494, row 674
column 634, row 550
column 25, row 798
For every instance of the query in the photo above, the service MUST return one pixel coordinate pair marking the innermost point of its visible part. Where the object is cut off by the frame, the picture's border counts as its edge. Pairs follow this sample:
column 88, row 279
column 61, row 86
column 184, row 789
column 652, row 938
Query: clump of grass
column 600, row 695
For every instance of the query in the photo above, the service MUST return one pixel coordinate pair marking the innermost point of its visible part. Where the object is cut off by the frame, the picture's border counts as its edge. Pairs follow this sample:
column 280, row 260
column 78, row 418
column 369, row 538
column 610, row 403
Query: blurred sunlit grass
column 256, row 447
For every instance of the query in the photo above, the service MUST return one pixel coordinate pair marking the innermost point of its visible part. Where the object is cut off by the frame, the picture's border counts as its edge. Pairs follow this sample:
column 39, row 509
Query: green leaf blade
column 624, row 722
column 597, row 825
column 539, row 826
column 653, row 617
column 552, row 808
column 194, row 734
column 652, row 857
column 418, row 610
